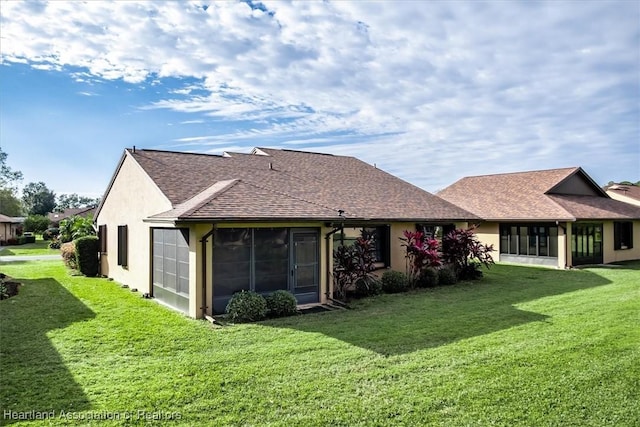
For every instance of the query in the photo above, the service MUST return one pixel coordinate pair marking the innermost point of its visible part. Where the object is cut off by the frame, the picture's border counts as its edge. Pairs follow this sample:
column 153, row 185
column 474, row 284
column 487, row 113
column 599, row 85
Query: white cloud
column 427, row 89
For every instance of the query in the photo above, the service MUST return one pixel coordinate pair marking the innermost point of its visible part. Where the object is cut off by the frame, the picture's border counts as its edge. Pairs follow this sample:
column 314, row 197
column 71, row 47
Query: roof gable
column 555, row 194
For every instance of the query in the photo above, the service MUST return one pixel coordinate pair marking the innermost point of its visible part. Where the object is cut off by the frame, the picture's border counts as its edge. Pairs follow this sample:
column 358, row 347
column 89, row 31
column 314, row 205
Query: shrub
column 421, row 253
column 68, row 252
column 368, row 286
column 55, row 244
column 447, row 275
column 352, row 264
column 428, row 278
column 282, row 303
column 394, row 282
column 87, row 255
column 247, row 306
column 50, row 233
column 464, row 251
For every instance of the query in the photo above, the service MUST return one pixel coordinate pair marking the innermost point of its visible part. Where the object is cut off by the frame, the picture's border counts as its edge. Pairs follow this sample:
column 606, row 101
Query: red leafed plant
column 463, row 250
column 421, row 253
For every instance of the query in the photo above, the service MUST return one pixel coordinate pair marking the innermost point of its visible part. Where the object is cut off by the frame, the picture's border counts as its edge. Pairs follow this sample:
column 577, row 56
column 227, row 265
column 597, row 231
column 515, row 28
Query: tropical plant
column 74, row 227
column 351, row 265
column 421, row 253
column 466, row 254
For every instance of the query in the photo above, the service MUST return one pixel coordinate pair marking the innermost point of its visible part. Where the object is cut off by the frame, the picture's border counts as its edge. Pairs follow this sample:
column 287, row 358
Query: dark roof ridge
column 522, row 172
column 287, row 195
column 136, row 150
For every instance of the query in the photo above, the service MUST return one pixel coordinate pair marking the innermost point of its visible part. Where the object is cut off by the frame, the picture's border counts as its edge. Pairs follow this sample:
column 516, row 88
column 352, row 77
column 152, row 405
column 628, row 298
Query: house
column 193, row 229
column 56, row 217
column 624, row 193
column 9, row 228
column 557, row 217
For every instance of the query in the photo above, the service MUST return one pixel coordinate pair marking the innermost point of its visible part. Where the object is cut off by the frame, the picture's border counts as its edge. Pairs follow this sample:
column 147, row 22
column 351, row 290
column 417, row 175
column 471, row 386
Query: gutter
column 204, row 269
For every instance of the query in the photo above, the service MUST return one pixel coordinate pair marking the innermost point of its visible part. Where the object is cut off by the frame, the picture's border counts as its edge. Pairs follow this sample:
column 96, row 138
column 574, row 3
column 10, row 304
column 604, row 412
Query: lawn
column 526, row 346
column 40, row 247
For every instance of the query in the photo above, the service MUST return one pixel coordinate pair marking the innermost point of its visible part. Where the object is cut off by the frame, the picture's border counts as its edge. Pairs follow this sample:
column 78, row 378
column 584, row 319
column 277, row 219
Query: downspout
column 204, row 269
column 330, row 258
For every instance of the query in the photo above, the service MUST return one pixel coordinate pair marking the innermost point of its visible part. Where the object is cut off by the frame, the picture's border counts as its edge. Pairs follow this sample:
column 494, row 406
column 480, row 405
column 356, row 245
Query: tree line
column 36, row 198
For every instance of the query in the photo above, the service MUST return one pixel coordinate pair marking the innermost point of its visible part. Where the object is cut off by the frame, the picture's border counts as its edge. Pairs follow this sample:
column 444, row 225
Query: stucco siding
column 131, row 198
column 612, row 255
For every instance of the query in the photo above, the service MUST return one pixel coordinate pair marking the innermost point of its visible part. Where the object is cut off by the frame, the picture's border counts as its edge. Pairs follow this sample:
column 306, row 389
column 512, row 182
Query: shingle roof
column 286, row 184
column 631, row 191
column 533, row 196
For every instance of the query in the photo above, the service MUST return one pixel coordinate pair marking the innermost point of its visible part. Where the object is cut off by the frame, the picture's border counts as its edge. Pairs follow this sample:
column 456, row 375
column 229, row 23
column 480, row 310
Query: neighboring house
column 193, row 229
column 9, row 227
column 56, row 217
column 557, row 217
column 624, row 193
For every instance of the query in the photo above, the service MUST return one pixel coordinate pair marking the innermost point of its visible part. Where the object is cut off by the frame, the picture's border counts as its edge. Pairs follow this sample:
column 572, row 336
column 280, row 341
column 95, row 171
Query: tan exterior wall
column 132, row 197
column 489, row 234
column 610, row 254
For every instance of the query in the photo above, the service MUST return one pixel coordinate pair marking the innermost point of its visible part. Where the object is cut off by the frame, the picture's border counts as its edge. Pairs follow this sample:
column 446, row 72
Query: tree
column 38, row 199
column 8, row 177
column 9, row 204
column 36, row 223
column 67, row 201
column 75, row 227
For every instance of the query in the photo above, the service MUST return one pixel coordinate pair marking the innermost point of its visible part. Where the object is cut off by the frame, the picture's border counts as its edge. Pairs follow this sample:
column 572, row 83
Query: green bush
column 87, row 255
column 55, row 244
column 428, row 278
column 68, row 252
column 447, row 275
column 394, row 282
column 247, row 306
column 282, row 303
column 50, row 233
column 36, row 223
column 368, row 286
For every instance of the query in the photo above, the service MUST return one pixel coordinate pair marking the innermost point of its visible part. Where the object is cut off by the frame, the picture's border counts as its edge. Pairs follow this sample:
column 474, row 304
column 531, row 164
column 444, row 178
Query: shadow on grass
column 34, row 376
column 403, row 323
column 6, row 252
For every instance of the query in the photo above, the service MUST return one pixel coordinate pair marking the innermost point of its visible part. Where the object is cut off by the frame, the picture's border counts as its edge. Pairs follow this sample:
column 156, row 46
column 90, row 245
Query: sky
column 429, row 91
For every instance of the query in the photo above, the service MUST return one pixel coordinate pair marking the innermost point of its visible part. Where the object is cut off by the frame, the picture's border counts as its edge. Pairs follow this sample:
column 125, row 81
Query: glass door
column 586, row 244
column 305, row 266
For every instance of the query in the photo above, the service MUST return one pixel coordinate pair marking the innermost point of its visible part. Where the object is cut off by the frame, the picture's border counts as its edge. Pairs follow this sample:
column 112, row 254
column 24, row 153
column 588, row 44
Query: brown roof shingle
column 286, row 184
column 532, row 196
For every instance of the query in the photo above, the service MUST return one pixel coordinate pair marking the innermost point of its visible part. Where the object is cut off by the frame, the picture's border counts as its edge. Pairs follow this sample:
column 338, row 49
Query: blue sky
column 429, row 91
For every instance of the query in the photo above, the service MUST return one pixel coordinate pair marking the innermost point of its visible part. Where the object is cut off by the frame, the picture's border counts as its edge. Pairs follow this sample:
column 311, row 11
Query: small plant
column 282, row 303
column 428, row 278
column 394, row 282
column 421, row 254
column 368, row 287
column 352, row 264
column 246, row 306
column 50, row 233
column 466, row 254
column 87, row 255
column 54, row 244
column 447, row 275
column 68, row 252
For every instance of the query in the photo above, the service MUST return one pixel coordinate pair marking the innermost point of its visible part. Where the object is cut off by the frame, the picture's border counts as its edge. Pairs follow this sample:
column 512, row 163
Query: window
column 538, row 240
column 622, row 235
column 102, row 238
column 122, row 246
column 379, row 234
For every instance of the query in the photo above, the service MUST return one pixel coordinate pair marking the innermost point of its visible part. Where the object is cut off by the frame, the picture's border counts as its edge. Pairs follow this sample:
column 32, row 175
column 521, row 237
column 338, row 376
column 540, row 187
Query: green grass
column 525, row 346
column 40, row 247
